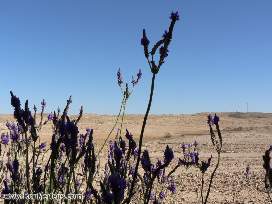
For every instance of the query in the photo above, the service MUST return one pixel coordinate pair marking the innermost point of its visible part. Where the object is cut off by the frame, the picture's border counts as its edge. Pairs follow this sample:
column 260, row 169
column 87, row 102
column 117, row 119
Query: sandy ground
column 245, row 138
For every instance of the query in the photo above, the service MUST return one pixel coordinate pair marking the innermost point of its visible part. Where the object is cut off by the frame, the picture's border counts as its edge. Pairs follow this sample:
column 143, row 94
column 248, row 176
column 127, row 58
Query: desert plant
column 162, row 45
column 217, row 143
column 72, row 162
column 268, row 171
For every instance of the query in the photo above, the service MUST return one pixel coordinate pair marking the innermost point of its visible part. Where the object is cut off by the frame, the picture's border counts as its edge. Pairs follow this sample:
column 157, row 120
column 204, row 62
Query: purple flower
column 210, row 119
column 6, row 189
column 145, row 161
column 62, row 147
column 215, row 119
column 194, row 157
column 168, row 154
column 172, row 187
column 136, row 152
column 14, row 136
column 139, row 75
column 81, row 140
column 162, row 195
column 111, row 148
column 131, row 170
column 117, row 183
column 144, row 40
column 205, row 165
column 42, row 146
column 5, row 139
column 174, row 16
column 152, row 196
column 38, row 172
column 128, row 135
column 88, row 194
column 50, row 117
column 119, row 77
column 184, row 146
column 43, row 103
column 118, row 154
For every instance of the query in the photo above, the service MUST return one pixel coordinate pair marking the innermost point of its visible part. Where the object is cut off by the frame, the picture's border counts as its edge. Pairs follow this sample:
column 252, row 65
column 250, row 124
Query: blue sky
column 220, row 57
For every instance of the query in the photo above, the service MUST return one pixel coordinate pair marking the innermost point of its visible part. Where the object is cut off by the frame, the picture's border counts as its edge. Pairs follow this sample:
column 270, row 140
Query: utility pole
column 247, row 107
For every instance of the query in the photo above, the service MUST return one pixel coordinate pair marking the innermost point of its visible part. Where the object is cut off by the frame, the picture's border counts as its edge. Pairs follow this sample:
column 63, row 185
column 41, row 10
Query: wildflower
column 88, row 194
column 215, row 119
column 172, row 187
column 6, row 189
column 118, row 154
column 139, row 75
column 81, row 140
column 146, row 178
column 184, row 146
column 267, row 167
column 162, row 195
column 136, row 152
column 174, row 16
column 152, row 196
column 111, row 148
column 144, row 40
column 14, row 136
column 107, row 197
column 168, row 154
column 62, row 147
column 210, row 119
column 15, row 166
column 145, row 43
column 38, row 172
column 43, row 103
column 42, row 146
column 4, row 139
column 117, row 183
column 128, row 135
column 194, row 157
column 131, row 170
column 50, row 117
column 122, row 144
column 205, row 165
column 145, row 161
column 119, row 77
column 15, row 101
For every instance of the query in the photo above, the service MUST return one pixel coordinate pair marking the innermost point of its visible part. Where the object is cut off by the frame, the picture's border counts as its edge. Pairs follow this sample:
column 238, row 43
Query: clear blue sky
column 220, row 57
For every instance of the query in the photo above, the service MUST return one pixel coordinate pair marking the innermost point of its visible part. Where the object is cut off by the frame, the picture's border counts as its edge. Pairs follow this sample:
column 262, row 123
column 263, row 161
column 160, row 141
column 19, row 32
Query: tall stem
column 27, row 165
column 211, row 179
column 141, row 139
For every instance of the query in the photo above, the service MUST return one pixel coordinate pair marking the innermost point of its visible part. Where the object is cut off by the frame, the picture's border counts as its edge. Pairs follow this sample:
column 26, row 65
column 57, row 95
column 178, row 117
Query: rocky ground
column 245, row 138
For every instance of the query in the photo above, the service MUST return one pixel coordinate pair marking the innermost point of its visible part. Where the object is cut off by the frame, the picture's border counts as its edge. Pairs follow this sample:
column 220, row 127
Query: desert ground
column 245, row 138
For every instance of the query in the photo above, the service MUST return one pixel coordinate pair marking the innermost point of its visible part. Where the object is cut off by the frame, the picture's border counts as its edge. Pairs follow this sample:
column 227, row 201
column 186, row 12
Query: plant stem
column 116, row 121
column 27, row 165
column 202, row 185
column 211, row 179
column 141, row 139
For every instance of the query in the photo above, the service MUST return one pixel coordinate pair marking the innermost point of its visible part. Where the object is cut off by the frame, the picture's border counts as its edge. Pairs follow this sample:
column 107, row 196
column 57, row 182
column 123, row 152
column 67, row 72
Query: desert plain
column 246, row 136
